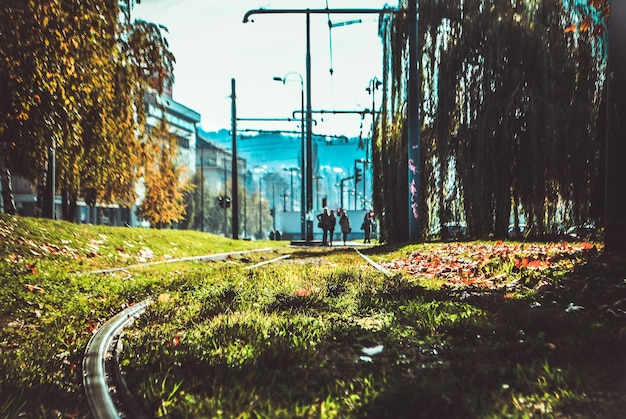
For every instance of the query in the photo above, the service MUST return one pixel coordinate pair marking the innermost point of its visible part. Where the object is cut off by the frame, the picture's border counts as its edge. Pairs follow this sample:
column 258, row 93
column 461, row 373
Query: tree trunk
column 73, row 198
column 7, row 188
column 615, row 228
column 65, row 205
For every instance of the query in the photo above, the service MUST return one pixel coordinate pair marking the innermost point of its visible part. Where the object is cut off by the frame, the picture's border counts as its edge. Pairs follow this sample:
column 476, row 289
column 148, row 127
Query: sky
column 212, row 45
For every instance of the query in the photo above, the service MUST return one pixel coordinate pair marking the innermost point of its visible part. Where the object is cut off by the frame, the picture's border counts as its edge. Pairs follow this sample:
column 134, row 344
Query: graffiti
column 413, row 190
column 412, row 166
column 414, row 198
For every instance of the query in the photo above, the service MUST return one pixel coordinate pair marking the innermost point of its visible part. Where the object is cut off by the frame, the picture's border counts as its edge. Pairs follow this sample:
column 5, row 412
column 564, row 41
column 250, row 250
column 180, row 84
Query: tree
column 76, row 75
column 615, row 233
column 508, row 119
column 165, row 182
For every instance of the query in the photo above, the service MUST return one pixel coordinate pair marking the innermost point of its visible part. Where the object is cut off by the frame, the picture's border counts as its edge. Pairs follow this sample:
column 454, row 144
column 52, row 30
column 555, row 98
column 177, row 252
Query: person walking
column 367, row 227
column 344, row 223
column 331, row 227
column 324, row 223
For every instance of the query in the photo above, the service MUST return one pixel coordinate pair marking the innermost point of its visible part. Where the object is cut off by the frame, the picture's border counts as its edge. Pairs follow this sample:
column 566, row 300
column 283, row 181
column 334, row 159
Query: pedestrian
column 331, row 227
column 366, row 226
column 344, row 223
column 323, row 222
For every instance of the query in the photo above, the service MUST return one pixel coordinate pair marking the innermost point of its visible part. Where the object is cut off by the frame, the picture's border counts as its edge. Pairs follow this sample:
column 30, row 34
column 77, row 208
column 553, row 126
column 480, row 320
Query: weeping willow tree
column 508, row 118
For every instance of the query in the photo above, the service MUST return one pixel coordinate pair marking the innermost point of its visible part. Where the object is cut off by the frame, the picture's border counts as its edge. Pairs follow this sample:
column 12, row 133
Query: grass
column 462, row 330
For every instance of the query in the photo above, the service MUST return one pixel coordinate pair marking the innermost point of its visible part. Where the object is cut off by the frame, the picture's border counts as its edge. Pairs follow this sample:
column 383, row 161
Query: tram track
column 105, row 387
column 107, row 393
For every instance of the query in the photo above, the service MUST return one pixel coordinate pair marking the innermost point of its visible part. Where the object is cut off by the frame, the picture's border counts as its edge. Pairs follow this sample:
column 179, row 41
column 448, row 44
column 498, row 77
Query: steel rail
column 217, row 256
column 98, row 383
column 106, row 390
column 384, row 271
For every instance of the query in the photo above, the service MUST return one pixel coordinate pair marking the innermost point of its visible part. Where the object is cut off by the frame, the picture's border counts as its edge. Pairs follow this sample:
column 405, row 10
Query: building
column 183, row 122
column 215, row 174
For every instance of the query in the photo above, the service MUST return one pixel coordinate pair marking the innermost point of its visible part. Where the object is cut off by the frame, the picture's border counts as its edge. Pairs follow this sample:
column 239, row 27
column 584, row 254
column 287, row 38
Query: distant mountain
column 279, row 150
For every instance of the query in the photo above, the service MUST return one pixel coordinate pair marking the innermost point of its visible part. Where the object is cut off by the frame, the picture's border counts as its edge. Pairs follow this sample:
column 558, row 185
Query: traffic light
column 358, row 176
column 223, row 201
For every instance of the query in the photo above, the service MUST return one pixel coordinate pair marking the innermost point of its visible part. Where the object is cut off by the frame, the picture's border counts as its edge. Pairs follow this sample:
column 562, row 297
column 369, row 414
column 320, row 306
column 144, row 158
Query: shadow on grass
column 555, row 352
column 450, row 352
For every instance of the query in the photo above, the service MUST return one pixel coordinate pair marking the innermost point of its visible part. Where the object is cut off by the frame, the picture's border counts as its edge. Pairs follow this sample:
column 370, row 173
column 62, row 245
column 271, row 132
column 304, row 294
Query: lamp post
column 202, row 189
column 291, row 170
column 303, row 162
column 317, row 190
column 260, row 207
column 225, row 197
column 371, row 88
column 245, row 204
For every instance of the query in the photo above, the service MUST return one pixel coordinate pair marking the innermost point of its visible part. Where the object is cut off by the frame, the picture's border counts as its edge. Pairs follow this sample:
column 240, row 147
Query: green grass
column 49, row 306
column 495, row 338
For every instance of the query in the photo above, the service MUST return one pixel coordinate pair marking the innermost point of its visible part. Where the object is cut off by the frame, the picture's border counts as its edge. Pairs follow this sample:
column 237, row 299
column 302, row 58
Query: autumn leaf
column 174, row 342
column 93, row 327
column 302, row 292
column 33, row 288
column 570, row 28
column 536, row 264
column 585, row 25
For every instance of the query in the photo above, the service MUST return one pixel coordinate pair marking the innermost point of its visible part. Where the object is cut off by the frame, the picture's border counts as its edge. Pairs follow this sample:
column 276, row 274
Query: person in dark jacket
column 331, row 227
column 324, row 223
column 344, row 223
column 367, row 227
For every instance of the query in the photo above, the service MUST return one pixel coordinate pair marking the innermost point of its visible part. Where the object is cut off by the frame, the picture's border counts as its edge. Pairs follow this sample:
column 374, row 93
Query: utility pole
column 309, row 170
column 413, row 152
column 234, row 181
column 225, row 199
column 202, row 189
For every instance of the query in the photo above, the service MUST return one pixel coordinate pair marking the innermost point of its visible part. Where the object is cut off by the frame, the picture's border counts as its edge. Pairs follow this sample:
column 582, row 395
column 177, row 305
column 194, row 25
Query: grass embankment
column 463, row 330
column 50, row 305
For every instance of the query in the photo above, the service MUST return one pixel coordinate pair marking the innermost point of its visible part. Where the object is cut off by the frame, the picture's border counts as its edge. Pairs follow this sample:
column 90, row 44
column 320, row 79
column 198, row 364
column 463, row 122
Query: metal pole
column 202, row 189
column 225, row 196
column 260, row 209
column 291, row 176
column 309, row 140
column 341, row 193
column 413, row 152
column 54, row 178
column 235, row 177
column 245, row 205
column 302, row 164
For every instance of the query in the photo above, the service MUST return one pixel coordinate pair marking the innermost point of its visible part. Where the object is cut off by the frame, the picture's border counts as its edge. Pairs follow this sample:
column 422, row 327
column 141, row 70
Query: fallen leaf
column 33, row 288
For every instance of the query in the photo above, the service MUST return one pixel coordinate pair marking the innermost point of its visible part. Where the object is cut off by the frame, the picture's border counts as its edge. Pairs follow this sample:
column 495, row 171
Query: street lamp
column 371, row 88
column 291, row 170
column 259, row 170
column 303, row 205
column 202, row 189
column 317, row 189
